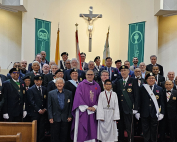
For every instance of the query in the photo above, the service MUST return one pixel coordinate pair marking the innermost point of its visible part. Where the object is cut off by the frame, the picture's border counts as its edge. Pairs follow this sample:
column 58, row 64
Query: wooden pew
column 11, row 138
column 28, row 130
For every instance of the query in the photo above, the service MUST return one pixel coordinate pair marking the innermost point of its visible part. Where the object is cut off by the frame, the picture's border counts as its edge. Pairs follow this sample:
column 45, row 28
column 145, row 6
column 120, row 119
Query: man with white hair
column 45, row 69
column 171, row 76
column 34, row 72
column 68, row 64
column 144, row 72
column 39, row 59
column 74, row 65
column 91, row 66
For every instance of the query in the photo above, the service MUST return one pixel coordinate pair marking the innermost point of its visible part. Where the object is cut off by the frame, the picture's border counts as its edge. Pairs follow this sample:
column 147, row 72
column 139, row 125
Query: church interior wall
column 10, row 38
column 167, row 43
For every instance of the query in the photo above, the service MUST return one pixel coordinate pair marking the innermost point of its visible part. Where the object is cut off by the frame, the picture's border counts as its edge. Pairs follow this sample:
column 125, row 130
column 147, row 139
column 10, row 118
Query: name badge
column 174, row 98
column 68, row 100
column 115, row 74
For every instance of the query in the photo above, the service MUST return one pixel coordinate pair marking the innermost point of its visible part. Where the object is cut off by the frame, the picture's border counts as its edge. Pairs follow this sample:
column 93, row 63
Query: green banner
column 42, row 37
column 136, row 41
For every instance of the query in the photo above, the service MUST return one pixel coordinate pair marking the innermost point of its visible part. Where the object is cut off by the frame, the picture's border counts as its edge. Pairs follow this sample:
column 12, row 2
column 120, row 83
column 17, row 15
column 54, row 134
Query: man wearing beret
column 64, row 56
column 151, row 108
column 51, row 86
column 37, row 97
column 128, row 94
column 14, row 97
column 97, row 62
column 84, row 64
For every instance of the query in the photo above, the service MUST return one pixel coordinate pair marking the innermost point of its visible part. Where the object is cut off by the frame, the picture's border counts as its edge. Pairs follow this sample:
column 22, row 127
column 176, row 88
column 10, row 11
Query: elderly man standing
column 153, row 59
column 39, row 59
column 74, row 65
column 171, row 77
column 44, row 60
column 16, row 65
column 158, row 77
column 45, row 69
column 23, row 70
column 68, row 64
column 137, row 73
column 64, row 56
column 59, row 111
column 143, row 70
column 84, row 126
column 84, row 64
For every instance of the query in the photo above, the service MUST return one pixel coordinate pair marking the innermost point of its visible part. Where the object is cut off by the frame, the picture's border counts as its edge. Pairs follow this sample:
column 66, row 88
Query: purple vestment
column 86, row 94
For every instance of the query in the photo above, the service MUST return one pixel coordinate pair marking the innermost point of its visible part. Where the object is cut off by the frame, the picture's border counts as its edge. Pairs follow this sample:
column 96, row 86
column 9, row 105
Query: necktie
column 109, row 73
column 124, row 82
column 151, row 87
column 168, row 91
column 98, row 67
column 40, row 90
column 18, row 83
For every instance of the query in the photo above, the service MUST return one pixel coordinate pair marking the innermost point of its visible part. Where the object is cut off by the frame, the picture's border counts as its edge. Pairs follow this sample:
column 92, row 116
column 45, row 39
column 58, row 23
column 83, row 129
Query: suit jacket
column 131, row 74
column 163, row 85
column 102, row 87
column 54, row 110
column 149, row 68
column 51, row 86
column 81, row 75
column 36, row 100
column 141, row 80
column 160, row 79
column 46, row 62
column 47, row 79
column 14, row 98
column 85, row 66
column 132, row 68
column 131, row 85
column 171, row 105
column 69, row 86
column 115, row 76
column 61, row 65
column 31, row 74
column 3, row 78
column 147, row 107
column 97, row 68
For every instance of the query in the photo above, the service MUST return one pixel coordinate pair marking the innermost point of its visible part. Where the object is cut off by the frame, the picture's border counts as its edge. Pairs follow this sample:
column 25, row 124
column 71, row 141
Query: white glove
column 135, row 111
column 24, row 114
column 137, row 115
column 160, row 117
column 6, row 116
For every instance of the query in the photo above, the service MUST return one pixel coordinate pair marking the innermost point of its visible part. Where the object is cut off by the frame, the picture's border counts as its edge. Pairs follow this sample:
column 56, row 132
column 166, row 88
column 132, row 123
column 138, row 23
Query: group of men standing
column 75, row 105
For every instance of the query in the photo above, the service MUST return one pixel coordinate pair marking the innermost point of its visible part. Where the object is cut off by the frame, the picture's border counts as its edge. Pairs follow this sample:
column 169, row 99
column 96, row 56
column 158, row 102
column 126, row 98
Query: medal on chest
column 108, row 100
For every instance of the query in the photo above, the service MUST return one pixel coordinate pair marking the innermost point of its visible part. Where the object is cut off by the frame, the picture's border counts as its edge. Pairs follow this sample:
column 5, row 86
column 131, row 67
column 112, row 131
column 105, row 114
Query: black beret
column 13, row 69
column 64, row 53
column 38, row 77
column 26, row 77
column 82, row 53
column 123, row 67
column 148, row 75
column 59, row 70
column 118, row 61
column 73, row 70
column 97, row 57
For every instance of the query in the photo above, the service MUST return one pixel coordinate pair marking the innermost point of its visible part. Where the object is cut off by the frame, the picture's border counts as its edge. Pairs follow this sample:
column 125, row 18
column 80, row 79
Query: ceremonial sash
column 151, row 94
column 73, row 82
column 126, row 96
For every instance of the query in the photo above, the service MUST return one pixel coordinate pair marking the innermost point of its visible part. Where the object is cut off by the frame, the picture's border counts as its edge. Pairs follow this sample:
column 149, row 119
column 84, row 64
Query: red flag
column 78, row 56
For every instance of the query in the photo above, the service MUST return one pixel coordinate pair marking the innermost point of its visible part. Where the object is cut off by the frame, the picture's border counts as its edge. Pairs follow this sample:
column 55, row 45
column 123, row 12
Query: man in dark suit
column 44, row 60
column 74, row 65
column 131, row 73
column 39, row 59
column 23, row 70
column 64, row 56
column 97, row 62
column 37, row 97
column 34, row 72
column 153, row 59
column 137, row 73
column 135, row 64
column 59, row 112
column 170, row 117
column 49, row 77
column 118, row 64
column 144, row 72
column 83, row 63
column 151, row 109
column 113, row 72
column 68, row 64
column 128, row 94
column 158, row 77
column 171, row 76
column 58, row 74
column 13, row 92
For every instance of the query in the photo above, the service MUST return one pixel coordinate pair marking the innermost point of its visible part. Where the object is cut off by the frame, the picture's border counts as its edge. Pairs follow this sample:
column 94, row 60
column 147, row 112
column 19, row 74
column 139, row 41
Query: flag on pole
column 106, row 52
column 57, row 52
column 78, row 56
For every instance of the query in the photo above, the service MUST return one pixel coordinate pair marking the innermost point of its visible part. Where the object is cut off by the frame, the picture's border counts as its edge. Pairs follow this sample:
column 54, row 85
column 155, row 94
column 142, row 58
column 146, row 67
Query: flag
column 57, row 52
column 78, row 56
column 106, row 52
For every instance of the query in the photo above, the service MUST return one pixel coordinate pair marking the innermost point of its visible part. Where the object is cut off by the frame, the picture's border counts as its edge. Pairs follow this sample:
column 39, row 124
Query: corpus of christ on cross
column 90, row 18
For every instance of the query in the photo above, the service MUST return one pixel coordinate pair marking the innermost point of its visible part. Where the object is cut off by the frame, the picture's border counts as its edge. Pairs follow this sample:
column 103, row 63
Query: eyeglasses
column 104, row 75
column 108, row 84
column 15, row 72
column 89, row 74
column 67, row 63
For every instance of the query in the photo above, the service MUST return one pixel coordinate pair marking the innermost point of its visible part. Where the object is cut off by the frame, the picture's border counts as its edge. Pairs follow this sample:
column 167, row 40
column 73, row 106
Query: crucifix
column 90, row 18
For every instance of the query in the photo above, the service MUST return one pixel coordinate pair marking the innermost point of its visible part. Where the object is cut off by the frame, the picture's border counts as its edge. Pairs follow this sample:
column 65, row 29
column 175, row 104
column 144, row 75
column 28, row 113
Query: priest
column 84, row 126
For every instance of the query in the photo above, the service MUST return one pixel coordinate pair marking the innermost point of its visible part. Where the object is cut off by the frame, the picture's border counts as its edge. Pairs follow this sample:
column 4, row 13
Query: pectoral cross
column 90, row 18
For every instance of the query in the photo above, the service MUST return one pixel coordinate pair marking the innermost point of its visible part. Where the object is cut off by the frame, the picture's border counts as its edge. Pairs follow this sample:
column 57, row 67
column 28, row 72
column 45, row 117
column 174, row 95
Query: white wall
column 167, row 47
column 138, row 11
column 10, row 37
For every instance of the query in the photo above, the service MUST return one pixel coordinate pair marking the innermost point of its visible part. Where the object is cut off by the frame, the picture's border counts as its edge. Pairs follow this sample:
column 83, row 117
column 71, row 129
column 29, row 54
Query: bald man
column 44, row 60
column 137, row 73
column 171, row 76
column 23, row 70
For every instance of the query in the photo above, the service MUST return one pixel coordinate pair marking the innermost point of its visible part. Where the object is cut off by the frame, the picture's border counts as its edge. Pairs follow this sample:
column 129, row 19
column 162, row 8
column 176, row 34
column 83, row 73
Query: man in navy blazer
column 74, row 64
column 39, row 59
column 113, row 72
column 131, row 74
